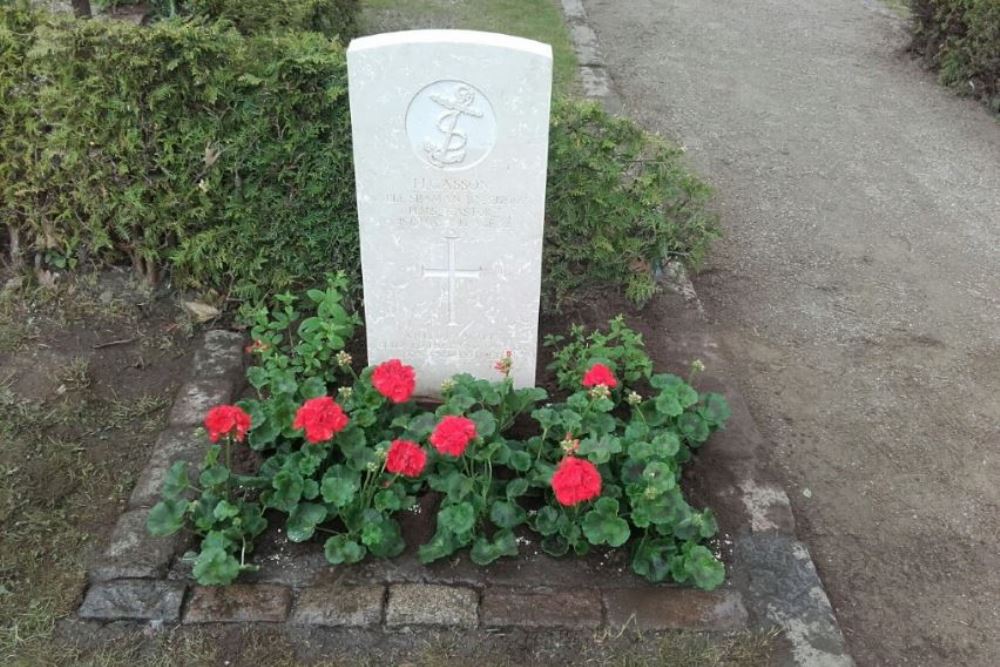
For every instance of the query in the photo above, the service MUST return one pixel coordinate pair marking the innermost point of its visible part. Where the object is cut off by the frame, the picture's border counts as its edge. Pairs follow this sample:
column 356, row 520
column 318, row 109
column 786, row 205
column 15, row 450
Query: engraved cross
column 452, row 274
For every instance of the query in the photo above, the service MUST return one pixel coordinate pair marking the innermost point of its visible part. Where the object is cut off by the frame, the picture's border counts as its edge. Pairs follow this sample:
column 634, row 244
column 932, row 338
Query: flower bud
column 600, row 391
column 633, row 398
column 343, row 359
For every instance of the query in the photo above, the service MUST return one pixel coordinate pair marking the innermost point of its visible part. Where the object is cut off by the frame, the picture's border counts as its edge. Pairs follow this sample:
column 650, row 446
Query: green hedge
column 223, row 162
column 333, row 18
column 962, row 38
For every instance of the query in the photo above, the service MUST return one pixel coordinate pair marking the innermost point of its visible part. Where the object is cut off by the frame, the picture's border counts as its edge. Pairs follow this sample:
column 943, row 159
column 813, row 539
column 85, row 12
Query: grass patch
column 56, row 492
column 540, row 20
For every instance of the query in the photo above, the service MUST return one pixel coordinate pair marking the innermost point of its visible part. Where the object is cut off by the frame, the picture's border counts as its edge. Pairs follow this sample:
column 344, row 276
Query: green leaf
column 666, row 444
column 225, row 510
column 176, row 482
column 667, row 404
column 548, row 520
column 555, row 545
column 659, row 477
column 651, row 559
column 520, row 461
column 389, row 542
column 441, row 545
column 486, row 423
column 457, row 519
column 214, row 475
column 601, row 528
column 421, row 426
column 215, row 567
column 340, row 549
column 686, row 395
column 388, row 500
column 258, row 377
column 264, row 433
column 506, row 514
column 694, row 427
column 516, row 487
column 704, row 568
column 486, row 551
column 166, row 517
column 340, row 486
column 287, row 488
column 312, row 388
column 716, row 410
column 303, row 520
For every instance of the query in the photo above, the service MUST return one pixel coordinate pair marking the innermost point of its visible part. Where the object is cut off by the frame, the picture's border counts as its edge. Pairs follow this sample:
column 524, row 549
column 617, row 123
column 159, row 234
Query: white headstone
column 450, row 154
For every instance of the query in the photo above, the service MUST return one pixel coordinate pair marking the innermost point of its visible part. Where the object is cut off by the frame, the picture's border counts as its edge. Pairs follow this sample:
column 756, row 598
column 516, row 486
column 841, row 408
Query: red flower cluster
column 576, row 481
column 600, row 374
column 321, row 418
column 405, row 458
column 452, row 435
column 394, row 380
column 227, row 420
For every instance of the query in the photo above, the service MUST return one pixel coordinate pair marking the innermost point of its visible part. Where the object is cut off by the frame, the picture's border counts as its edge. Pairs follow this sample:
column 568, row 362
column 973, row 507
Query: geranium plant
column 218, row 507
column 345, row 451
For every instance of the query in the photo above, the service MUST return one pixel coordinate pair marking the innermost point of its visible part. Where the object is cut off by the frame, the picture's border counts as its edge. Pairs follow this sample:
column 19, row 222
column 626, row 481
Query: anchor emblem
column 451, row 150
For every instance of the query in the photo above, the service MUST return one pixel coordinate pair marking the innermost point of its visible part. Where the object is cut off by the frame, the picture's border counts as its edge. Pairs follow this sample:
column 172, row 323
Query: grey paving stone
column 135, row 554
column 239, row 603
column 133, row 599
column 431, row 604
column 220, row 356
column 334, row 605
column 196, row 397
column 174, row 444
column 785, row 591
column 534, row 608
column 673, row 608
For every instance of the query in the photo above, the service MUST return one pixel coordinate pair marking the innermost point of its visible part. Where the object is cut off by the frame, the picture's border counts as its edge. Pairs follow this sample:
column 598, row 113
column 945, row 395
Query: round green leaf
column 215, row 567
column 303, row 520
column 340, row 549
column 166, row 517
column 506, row 514
column 457, row 519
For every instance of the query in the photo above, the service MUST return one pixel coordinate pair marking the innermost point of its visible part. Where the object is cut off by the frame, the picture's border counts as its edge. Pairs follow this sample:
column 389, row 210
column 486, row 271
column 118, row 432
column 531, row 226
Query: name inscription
column 458, row 202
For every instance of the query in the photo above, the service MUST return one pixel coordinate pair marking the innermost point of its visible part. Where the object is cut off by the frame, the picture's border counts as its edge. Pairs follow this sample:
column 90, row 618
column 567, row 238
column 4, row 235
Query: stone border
column 783, row 588
column 138, row 577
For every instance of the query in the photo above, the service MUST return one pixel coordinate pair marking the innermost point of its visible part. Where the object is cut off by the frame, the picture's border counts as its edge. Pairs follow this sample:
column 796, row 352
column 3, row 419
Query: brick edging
column 128, row 580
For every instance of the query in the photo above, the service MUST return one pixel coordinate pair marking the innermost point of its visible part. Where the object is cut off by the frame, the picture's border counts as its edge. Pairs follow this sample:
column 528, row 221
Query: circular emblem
column 451, row 125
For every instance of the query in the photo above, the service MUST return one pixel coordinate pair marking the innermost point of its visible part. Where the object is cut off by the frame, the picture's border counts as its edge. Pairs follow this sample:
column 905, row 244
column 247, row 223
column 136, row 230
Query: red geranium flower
column 600, row 374
column 575, row 481
column 394, row 380
column 321, row 417
column 223, row 420
column 406, row 458
column 452, row 435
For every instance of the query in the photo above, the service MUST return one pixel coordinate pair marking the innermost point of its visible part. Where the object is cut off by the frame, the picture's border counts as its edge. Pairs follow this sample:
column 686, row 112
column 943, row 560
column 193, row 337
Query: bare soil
column 856, row 289
column 87, row 372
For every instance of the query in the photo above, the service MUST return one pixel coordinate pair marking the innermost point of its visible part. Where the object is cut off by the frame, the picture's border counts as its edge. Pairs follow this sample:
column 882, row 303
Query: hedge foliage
column 333, row 18
column 962, row 38
column 223, row 161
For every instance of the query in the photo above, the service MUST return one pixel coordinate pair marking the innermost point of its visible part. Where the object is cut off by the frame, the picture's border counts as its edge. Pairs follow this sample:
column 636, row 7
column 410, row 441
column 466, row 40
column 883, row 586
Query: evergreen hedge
column 962, row 38
column 223, row 162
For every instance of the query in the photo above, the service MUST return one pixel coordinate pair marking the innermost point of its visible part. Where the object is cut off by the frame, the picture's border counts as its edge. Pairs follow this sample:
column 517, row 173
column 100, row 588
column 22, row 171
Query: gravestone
column 450, row 154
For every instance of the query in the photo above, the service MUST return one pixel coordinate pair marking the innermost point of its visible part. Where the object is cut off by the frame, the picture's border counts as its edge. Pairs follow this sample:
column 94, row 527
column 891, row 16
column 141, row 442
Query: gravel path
column 857, row 289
